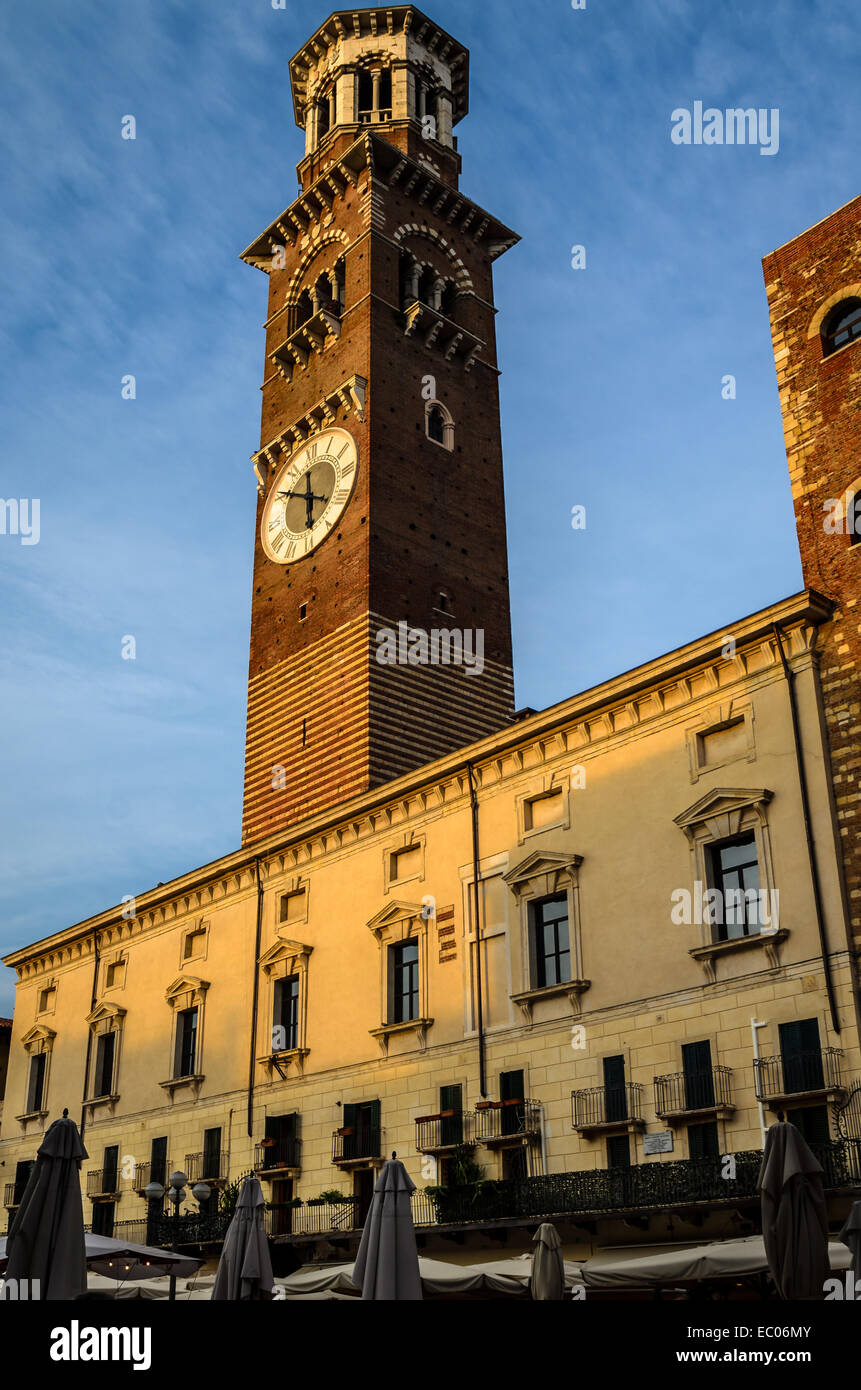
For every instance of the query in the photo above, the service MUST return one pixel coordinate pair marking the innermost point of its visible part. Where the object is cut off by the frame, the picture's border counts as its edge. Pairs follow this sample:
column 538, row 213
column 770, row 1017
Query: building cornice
column 386, row 163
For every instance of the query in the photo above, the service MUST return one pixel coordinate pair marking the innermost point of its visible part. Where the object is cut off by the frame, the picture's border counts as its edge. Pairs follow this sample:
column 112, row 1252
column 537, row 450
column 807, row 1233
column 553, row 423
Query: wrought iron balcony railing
column 12, row 1194
column 607, row 1106
column 320, row 1218
column 798, row 1074
column 352, row 1145
column 206, row 1167
column 683, row 1183
column 499, row 1120
column 685, row 1093
column 145, row 1173
column 435, row 1133
column 103, row 1182
column 277, row 1155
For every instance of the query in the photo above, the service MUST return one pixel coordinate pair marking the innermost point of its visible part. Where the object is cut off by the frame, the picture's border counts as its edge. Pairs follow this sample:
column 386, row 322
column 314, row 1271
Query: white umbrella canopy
column 122, row 1260
column 387, row 1265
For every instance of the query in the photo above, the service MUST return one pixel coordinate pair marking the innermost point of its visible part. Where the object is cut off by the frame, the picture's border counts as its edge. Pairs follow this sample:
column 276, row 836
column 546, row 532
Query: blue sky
column 121, row 257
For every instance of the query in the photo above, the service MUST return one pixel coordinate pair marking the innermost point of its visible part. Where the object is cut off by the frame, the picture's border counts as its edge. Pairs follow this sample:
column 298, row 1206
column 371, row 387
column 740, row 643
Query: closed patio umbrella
column 245, row 1268
column 548, row 1267
column 387, row 1265
column 46, row 1238
column 794, row 1216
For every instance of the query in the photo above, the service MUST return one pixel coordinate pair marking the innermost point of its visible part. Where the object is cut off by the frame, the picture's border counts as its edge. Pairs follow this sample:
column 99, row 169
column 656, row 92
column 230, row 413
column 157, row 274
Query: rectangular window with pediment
column 105, row 1055
column 36, row 1083
column 285, row 1014
column 551, row 944
column 186, row 1042
column 404, row 981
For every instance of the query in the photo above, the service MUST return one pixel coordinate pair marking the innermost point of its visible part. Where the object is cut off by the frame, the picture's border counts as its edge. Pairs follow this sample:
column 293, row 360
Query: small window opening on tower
column 853, row 511
column 303, row 612
column 436, row 425
column 304, row 309
column 449, row 299
column 841, row 326
column 304, row 732
column 366, row 98
column 439, row 425
column 323, row 112
column 427, row 287
column 385, row 111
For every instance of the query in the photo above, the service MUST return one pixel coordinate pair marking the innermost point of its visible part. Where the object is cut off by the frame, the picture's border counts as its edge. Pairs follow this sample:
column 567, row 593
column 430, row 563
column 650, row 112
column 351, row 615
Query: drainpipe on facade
column 93, row 998
column 254, row 999
column 476, row 886
column 808, row 833
column 755, row 1026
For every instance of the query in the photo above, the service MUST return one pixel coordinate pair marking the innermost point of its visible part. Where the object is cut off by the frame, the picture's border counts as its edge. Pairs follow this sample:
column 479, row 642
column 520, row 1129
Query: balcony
column 103, row 1183
column 206, row 1167
column 375, row 117
column 437, row 331
column 274, row 1157
column 351, row 1146
column 145, row 1173
column 608, row 1109
column 12, row 1194
column 501, row 1122
column 309, row 339
column 327, row 1218
column 799, row 1076
column 436, row 1134
column 658, row 1187
column 701, row 1095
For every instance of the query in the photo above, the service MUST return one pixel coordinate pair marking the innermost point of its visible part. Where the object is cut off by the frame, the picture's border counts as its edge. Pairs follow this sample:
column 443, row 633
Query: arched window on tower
column 439, row 425
column 427, row 285
column 366, row 98
column 449, row 299
column 841, row 326
column 408, row 279
column 322, row 118
column 304, row 309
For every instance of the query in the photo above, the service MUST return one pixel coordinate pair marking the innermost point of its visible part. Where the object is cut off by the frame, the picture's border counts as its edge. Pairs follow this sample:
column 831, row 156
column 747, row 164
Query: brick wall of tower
column 423, row 520
column 821, row 403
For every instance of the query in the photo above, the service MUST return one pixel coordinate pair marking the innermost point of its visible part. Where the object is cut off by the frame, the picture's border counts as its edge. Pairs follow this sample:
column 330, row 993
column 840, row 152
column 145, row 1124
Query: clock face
column 308, row 496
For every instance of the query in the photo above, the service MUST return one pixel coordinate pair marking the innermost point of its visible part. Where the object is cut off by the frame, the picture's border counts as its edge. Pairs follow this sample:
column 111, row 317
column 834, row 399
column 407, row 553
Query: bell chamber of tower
column 380, row 625
column 392, row 70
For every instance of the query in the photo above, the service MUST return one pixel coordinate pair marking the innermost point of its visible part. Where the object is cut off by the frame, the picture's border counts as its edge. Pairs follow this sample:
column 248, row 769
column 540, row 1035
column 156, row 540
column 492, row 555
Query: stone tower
column 814, row 294
column 381, row 506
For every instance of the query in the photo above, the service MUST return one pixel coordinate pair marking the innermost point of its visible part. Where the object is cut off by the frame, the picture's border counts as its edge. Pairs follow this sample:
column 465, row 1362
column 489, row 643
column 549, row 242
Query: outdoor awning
column 627, row 1268
column 500, row 1278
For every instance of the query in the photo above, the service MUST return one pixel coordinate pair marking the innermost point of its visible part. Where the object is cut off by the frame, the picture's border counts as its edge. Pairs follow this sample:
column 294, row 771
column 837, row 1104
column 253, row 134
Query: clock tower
column 380, row 632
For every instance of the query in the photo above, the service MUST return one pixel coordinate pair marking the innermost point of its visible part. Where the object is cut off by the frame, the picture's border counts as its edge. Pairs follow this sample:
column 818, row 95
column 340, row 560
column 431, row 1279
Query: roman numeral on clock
column 340, row 497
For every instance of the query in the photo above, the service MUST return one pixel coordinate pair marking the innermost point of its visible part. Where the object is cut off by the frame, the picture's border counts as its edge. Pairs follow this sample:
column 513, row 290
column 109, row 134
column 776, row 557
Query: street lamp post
column 154, row 1192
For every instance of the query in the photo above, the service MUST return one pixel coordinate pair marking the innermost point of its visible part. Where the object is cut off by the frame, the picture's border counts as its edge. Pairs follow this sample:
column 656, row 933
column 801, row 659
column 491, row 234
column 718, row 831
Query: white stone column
column 311, row 128
column 376, row 78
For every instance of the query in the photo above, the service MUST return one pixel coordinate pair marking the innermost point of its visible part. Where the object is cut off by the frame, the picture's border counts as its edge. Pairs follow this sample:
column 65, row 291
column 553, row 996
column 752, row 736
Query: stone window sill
column 572, row 989
column 709, row 955
column 419, row 1026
